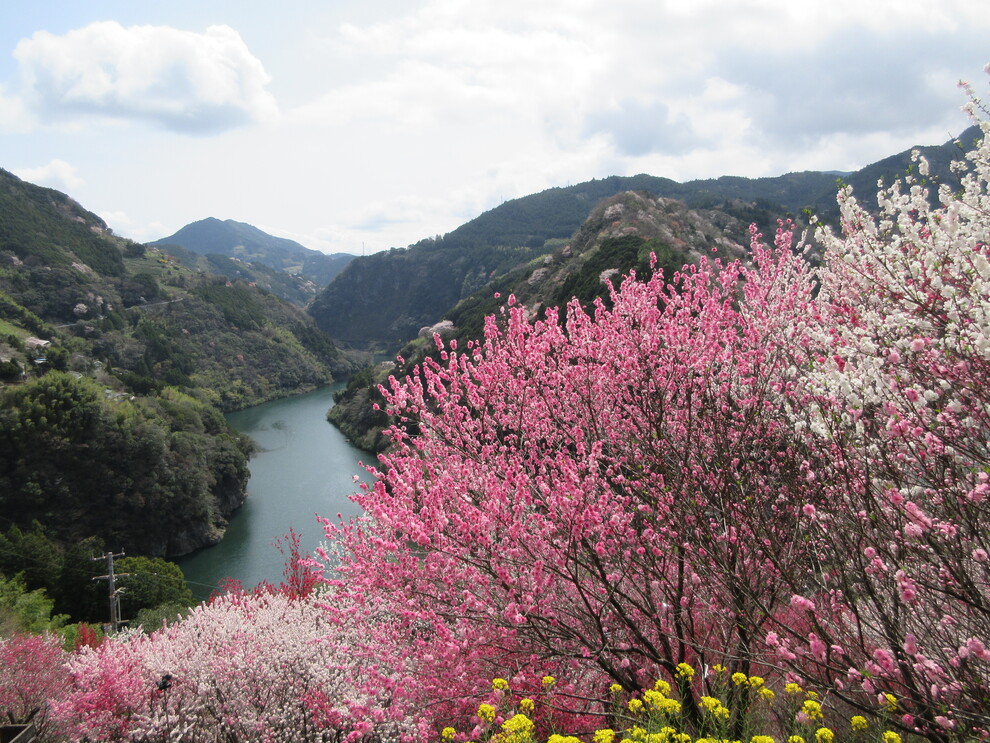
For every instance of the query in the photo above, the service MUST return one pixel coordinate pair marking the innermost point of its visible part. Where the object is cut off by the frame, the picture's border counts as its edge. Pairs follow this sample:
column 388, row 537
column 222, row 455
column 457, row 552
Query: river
column 304, row 467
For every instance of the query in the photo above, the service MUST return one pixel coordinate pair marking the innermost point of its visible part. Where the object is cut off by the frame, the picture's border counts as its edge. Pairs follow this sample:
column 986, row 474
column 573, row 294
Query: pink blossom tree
column 761, row 466
column 250, row 666
column 32, row 672
column 892, row 393
column 578, row 494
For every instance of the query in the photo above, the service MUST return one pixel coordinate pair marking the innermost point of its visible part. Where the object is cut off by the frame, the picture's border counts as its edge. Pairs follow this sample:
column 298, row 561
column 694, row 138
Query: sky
column 360, row 125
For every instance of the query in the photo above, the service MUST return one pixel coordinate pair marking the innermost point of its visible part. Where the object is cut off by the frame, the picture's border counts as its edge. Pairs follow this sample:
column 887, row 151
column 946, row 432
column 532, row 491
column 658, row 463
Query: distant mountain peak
column 245, row 242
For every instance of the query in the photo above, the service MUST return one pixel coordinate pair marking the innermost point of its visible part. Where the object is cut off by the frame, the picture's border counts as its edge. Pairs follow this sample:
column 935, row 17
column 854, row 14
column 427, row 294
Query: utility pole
column 114, row 592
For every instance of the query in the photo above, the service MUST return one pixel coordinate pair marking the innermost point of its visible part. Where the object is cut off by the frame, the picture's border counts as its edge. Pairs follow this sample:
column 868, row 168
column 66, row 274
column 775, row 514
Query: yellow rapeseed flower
column 891, row 702
column 812, row 709
column 615, row 688
column 762, row 739
column 486, row 712
column 715, row 707
column 557, row 738
column 685, row 671
column 448, row 733
column 795, row 739
column 517, row 723
column 605, row 735
column 824, row 735
column 767, row 694
column 635, row 705
column 500, row 685
column 739, row 678
column 858, row 722
column 890, row 736
column 793, row 688
column 549, row 681
column 756, row 681
column 662, row 686
column 719, row 668
column 527, row 705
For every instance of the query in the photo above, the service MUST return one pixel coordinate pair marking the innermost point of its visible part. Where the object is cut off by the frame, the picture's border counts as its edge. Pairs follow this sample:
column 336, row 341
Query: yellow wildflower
column 715, row 707
column 756, row 681
column 739, row 678
column 527, row 705
column 549, row 681
column 719, row 668
column 795, row 739
column 891, row 702
column 616, row 688
column 793, row 688
column 662, row 686
column 605, row 735
column 767, row 694
column 500, row 685
column 518, row 723
column 824, row 735
column 858, row 722
column 635, row 705
column 890, row 736
column 637, row 733
column 812, row 709
column 685, row 671
column 448, row 733
column 762, row 739
column 486, row 712
column 557, row 738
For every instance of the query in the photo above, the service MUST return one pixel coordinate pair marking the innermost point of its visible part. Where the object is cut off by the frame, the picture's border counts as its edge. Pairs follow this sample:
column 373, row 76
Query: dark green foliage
column 148, row 476
column 235, row 301
column 621, row 254
column 354, row 412
column 150, row 582
column 140, row 289
column 65, row 574
column 46, row 227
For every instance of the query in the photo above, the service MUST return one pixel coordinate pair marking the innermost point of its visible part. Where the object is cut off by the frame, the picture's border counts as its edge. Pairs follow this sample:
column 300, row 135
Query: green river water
column 304, row 467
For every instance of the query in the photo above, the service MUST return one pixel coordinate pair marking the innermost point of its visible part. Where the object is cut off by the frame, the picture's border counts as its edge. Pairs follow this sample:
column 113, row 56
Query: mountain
column 116, row 365
column 380, row 301
column 618, row 236
column 248, row 244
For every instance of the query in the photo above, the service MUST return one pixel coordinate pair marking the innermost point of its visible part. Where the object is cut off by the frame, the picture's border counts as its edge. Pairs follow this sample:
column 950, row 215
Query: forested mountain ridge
column 116, row 362
column 380, row 301
column 310, row 269
column 618, row 236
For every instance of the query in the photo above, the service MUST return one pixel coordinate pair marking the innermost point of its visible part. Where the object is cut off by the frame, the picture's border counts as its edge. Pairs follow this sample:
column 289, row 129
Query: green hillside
column 382, row 300
column 116, row 365
column 248, row 245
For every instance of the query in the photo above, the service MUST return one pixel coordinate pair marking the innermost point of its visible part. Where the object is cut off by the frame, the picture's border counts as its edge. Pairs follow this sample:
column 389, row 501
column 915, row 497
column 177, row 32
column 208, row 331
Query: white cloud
column 14, row 115
column 188, row 82
column 57, row 174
